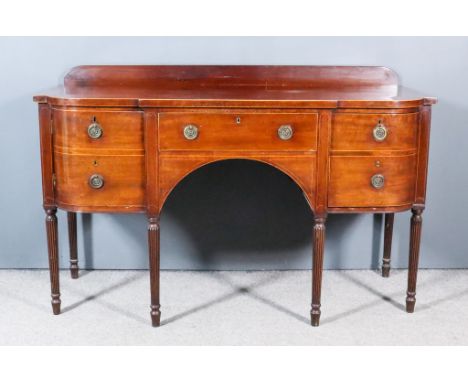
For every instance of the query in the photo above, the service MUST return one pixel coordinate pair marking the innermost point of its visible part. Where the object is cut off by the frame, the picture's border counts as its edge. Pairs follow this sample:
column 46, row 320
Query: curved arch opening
column 236, row 214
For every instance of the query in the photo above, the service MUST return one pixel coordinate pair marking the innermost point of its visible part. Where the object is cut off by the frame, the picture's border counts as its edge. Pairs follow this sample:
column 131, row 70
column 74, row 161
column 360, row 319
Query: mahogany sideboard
column 119, row 139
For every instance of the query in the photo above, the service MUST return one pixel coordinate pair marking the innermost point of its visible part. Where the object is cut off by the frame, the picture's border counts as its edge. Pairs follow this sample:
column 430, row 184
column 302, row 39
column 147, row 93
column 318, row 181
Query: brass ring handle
column 285, row 132
column 378, row 181
column 95, row 130
column 96, row 181
column 190, row 132
column 380, row 132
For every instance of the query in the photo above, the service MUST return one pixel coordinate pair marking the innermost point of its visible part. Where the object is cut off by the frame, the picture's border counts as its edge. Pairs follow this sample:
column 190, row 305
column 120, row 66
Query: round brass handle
column 190, row 132
column 285, row 132
column 95, row 130
column 378, row 181
column 380, row 132
column 96, row 181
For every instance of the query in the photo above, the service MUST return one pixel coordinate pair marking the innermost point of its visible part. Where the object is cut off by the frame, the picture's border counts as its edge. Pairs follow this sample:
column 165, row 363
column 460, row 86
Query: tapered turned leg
column 52, row 244
column 415, row 239
column 153, row 246
column 71, row 216
column 318, row 247
column 388, row 233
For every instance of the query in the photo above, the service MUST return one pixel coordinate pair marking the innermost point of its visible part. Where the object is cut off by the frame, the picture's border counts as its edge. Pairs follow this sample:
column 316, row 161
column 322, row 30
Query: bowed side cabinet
column 119, row 138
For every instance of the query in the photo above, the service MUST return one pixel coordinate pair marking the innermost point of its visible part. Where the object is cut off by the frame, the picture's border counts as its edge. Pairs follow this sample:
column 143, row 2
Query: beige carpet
column 234, row 308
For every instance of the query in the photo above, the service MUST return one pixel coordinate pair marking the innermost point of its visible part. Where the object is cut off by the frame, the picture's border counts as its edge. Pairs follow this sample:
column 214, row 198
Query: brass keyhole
column 238, row 120
column 95, row 162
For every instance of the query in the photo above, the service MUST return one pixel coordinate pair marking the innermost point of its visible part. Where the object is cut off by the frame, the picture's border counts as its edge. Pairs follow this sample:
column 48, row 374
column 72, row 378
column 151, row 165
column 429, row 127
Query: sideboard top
column 233, row 86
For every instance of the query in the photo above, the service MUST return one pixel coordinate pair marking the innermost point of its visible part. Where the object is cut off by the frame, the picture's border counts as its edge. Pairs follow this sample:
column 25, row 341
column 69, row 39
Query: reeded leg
column 415, row 239
column 318, row 247
column 388, row 233
column 52, row 244
column 153, row 246
column 71, row 216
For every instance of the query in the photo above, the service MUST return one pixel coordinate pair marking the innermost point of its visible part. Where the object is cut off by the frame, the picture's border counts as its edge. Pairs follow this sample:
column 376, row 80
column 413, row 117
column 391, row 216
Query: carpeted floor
column 234, row 308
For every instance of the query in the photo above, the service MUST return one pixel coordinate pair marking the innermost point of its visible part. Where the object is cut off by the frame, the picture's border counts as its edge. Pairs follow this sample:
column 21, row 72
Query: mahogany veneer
column 120, row 138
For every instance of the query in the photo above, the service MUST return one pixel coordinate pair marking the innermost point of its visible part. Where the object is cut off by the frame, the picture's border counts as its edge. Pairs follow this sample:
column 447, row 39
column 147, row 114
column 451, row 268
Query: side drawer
column 238, row 131
column 83, row 131
column 374, row 131
column 123, row 180
column 358, row 181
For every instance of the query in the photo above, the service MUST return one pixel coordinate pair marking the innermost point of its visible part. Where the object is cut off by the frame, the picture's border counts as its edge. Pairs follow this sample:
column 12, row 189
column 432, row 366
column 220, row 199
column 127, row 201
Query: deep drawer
column 374, row 131
column 357, row 181
column 123, row 180
column 238, row 131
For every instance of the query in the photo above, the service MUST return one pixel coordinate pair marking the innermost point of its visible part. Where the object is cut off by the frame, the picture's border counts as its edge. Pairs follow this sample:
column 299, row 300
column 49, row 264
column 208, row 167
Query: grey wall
column 234, row 215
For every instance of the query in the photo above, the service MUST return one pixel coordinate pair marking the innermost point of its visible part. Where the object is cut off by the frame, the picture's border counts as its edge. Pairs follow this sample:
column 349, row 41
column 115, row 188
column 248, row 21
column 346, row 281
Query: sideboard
column 118, row 139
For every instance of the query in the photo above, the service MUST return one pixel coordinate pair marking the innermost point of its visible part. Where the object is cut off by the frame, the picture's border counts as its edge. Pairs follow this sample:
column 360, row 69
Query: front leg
column 415, row 240
column 318, row 248
column 52, row 244
column 153, row 247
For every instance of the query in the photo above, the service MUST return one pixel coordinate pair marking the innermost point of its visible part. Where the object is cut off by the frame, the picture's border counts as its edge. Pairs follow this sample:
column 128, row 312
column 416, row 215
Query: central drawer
column 276, row 131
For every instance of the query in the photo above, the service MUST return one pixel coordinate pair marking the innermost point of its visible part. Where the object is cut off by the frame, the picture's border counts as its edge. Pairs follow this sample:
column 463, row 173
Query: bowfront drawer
column 89, row 130
column 357, row 181
column 242, row 131
column 100, row 180
column 374, row 131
